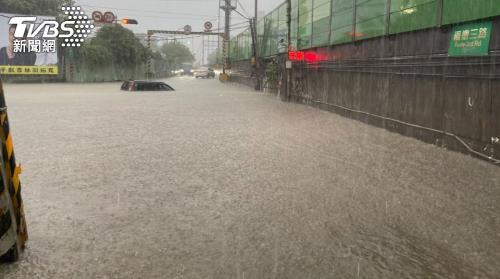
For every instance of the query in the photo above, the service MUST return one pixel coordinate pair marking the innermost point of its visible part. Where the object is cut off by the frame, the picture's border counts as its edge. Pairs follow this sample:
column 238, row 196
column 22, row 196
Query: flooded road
column 217, row 181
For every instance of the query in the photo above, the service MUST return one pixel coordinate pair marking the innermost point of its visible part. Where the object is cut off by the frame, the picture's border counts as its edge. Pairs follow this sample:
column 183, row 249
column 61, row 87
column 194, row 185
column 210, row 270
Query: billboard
column 27, row 55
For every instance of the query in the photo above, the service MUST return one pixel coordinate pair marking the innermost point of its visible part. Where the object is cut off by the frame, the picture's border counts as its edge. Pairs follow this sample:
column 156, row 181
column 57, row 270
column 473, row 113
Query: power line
column 146, row 11
column 236, row 11
column 243, row 8
column 239, row 24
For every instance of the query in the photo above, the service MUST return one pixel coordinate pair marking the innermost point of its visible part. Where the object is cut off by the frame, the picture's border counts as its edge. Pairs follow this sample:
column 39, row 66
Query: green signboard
column 471, row 39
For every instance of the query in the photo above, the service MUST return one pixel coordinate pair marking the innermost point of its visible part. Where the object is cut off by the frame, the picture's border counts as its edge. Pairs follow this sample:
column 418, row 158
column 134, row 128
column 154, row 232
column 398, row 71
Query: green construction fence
column 318, row 23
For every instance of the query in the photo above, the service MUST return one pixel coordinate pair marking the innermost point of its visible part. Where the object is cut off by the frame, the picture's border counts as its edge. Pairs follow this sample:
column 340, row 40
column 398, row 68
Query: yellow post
column 13, row 237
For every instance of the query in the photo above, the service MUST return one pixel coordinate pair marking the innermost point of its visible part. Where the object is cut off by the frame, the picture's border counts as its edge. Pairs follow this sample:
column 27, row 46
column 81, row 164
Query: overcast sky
column 174, row 14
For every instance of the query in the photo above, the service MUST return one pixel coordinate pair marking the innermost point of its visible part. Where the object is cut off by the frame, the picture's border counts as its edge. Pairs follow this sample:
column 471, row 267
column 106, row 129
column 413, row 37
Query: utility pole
column 256, row 10
column 255, row 54
column 228, row 8
column 149, row 65
column 202, row 51
column 218, row 40
column 255, row 40
column 227, row 30
column 289, row 65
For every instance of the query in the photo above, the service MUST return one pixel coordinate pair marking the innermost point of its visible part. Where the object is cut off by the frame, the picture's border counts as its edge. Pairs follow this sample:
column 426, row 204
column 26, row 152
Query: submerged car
column 140, row 85
column 204, row 72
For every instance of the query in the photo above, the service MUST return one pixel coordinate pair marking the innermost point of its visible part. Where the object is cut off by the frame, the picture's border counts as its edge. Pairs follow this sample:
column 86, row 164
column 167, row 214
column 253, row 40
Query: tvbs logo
column 73, row 31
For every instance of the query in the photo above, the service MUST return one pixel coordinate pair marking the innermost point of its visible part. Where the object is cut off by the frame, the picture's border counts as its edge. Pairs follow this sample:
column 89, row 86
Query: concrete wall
column 410, row 78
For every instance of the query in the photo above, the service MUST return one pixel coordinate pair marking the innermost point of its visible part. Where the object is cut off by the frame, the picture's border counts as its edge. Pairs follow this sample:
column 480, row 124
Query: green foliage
column 126, row 49
column 113, row 54
column 95, row 55
column 272, row 73
column 34, row 7
column 176, row 54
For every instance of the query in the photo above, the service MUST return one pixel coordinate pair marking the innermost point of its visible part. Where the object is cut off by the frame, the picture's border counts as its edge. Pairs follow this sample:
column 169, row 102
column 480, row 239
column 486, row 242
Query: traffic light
column 129, row 21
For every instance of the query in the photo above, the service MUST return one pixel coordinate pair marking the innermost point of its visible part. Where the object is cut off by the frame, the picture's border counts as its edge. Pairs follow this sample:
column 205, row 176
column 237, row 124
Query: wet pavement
column 217, row 181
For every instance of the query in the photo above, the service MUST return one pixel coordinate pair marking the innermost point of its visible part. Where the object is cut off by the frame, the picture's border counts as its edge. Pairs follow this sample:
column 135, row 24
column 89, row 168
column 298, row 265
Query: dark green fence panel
column 233, row 48
column 239, row 48
column 455, row 11
column 305, row 24
column 260, row 37
column 246, row 45
column 283, row 28
column 370, row 18
column 321, row 23
column 408, row 15
column 239, row 43
column 267, row 35
column 249, row 44
column 342, row 19
column 274, row 45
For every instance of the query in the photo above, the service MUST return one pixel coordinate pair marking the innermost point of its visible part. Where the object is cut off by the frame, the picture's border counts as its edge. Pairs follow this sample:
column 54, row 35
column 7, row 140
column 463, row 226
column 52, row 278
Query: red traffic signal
column 129, row 21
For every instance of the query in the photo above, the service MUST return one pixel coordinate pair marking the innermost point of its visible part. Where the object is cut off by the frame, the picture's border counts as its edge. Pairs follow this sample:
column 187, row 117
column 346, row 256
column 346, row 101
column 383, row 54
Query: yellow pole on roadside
column 13, row 231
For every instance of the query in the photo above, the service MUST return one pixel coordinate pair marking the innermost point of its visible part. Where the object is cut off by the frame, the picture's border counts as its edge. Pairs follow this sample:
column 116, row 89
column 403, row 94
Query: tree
column 34, row 7
column 95, row 55
column 126, row 49
column 176, row 53
column 160, row 64
column 114, row 53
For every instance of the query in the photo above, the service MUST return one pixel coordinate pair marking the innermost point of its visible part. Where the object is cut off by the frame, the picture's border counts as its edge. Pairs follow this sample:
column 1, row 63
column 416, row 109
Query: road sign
column 471, row 39
column 188, row 29
column 208, row 26
column 97, row 16
column 109, row 17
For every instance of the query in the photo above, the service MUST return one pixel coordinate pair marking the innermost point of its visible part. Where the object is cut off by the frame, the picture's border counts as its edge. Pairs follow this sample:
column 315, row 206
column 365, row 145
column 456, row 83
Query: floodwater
column 217, row 181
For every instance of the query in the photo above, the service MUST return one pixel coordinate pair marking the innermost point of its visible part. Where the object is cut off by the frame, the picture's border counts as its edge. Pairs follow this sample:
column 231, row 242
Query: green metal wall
column 321, row 22
column 342, row 21
column 455, row 11
column 370, row 18
column 271, row 30
column 282, row 37
column 304, row 26
column 294, row 15
column 316, row 23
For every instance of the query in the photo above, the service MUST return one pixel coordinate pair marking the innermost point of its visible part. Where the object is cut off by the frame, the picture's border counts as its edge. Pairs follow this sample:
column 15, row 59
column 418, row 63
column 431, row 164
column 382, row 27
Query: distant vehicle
column 204, row 72
column 187, row 69
column 140, row 85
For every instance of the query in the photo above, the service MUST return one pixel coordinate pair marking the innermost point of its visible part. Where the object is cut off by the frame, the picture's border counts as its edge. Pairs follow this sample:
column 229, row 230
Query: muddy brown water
column 217, row 181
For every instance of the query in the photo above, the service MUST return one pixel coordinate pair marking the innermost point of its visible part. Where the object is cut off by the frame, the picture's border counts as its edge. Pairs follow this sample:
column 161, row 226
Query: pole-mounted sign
column 188, row 29
column 107, row 17
column 208, row 26
column 97, row 16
